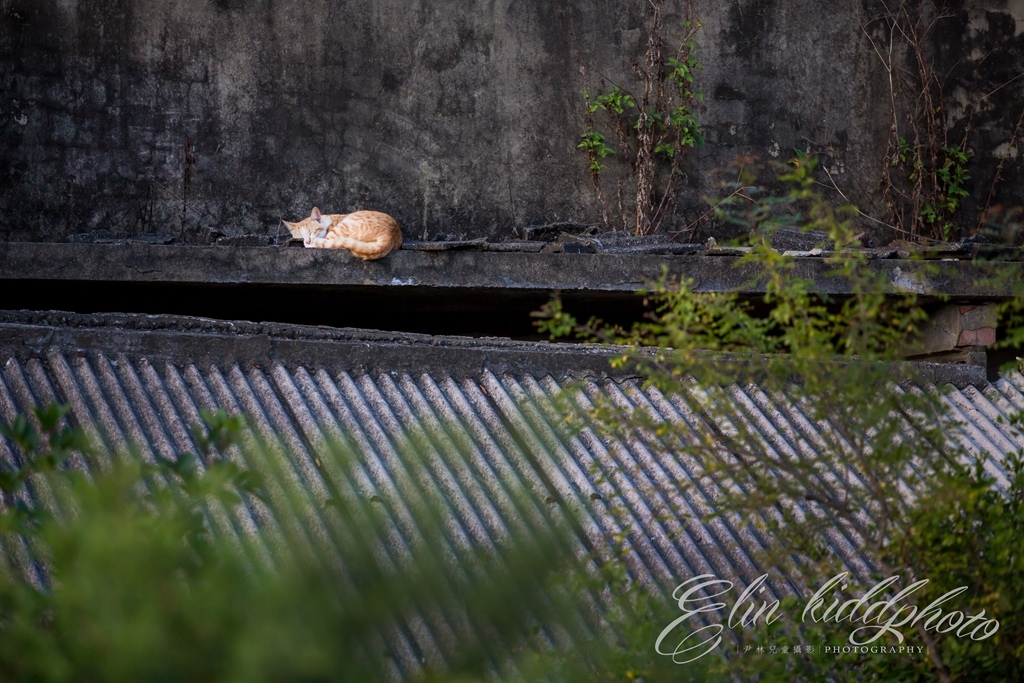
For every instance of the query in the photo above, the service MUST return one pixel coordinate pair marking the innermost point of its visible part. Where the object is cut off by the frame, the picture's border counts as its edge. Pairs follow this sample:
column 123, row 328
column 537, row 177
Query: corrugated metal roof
column 482, row 436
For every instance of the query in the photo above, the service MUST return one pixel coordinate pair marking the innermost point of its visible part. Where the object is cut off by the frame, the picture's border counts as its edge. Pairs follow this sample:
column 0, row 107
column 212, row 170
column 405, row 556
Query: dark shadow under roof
column 473, row 293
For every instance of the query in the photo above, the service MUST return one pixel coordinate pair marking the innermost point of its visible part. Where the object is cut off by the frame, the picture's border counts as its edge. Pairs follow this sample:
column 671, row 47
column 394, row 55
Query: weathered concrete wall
column 457, row 117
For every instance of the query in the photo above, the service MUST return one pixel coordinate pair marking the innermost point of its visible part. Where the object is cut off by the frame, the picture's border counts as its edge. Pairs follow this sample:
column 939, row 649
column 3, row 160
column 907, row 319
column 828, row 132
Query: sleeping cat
column 367, row 234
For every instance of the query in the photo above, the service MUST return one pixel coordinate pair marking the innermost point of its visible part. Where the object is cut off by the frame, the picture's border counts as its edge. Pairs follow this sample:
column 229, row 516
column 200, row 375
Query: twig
column 847, row 200
column 189, row 206
column 1010, row 145
column 738, row 192
column 1020, row 75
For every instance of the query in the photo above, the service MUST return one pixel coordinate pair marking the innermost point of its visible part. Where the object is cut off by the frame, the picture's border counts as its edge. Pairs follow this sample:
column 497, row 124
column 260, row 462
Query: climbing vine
column 648, row 131
column 925, row 173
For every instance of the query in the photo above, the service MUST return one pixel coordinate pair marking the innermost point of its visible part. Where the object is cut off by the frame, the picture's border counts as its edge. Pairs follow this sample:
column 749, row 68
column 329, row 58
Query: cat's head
column 309, row 228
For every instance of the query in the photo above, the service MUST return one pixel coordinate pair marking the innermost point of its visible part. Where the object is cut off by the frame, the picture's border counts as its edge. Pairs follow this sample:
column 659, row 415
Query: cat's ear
column 293, row 227
column 319, row 218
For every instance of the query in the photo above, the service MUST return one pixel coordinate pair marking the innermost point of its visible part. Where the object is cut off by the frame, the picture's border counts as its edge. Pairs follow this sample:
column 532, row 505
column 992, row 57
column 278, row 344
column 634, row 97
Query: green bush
column 858, row 453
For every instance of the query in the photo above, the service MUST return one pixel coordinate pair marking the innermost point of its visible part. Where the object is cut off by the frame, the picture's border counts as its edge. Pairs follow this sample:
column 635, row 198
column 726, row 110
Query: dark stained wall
column 460, row 118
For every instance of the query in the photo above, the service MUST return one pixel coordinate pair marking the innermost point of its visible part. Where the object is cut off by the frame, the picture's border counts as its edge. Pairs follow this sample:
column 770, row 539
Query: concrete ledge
column 182, row 340
column 187, row 340
column 465, row 270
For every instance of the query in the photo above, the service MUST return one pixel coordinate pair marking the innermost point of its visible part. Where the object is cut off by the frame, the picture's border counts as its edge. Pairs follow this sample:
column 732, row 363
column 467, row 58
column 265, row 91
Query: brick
column 985, row 336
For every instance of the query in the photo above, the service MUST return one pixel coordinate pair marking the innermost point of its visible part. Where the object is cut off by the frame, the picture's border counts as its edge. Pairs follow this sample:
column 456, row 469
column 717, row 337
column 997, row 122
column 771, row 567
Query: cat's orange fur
column 367, row 234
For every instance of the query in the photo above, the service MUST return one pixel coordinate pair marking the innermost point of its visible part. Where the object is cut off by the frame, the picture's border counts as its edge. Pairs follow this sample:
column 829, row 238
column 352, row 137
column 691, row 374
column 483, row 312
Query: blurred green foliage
column 127, row 570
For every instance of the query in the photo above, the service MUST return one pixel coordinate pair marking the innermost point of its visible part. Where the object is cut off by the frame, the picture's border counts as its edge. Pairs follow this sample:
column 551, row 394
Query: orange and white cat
column 367, row 234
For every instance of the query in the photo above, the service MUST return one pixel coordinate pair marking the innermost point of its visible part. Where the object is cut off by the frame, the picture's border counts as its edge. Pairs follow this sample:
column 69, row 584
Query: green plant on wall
column 596, row 147
column 648, row 131
column 935, row 193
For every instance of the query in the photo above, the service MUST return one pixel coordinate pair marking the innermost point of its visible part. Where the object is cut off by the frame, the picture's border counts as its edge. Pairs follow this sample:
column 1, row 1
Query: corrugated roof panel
column 999, row 407
column 738, row 418
column 373, row 466
column 977, row 434
column 340, row 422
column 160, row 413
column 549, row 461
column 767, row 421
column 424, row 636
column 504, row 453
column 447, row 628
column 418, row 420
column 480, row 439
column 392, row 441
column 22, row 399
column 456, row 457
column 739, row 415
column 148, row 430
column 638, row 498
column 714, row 544
column 82, row 376
column 462, row 454
column 17, row 556
column 493, row 466
column 688, row 409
